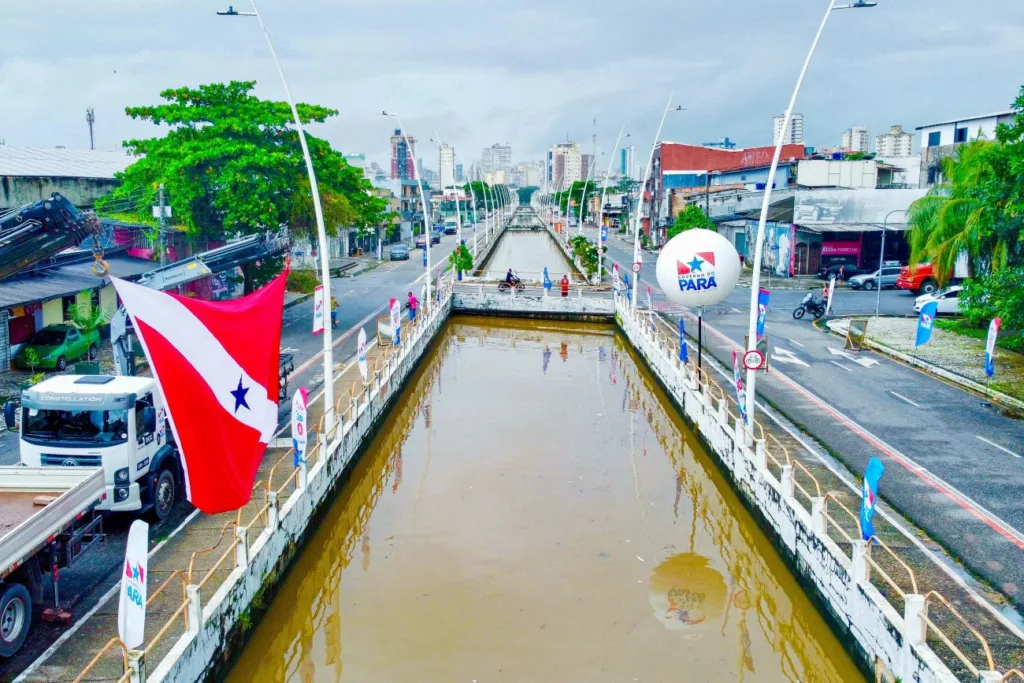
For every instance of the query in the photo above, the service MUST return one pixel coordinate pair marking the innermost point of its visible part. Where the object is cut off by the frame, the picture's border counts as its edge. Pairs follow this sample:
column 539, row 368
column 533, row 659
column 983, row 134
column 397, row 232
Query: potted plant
column 461, row 260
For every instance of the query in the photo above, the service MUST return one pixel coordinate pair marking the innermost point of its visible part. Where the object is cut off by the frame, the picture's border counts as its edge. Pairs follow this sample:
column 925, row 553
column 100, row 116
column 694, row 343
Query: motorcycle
column 507, row 286
column 810, row 305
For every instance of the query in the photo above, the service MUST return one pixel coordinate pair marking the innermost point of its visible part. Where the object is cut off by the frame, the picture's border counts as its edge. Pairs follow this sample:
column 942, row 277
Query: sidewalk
column 948, row 355
column 200, row 551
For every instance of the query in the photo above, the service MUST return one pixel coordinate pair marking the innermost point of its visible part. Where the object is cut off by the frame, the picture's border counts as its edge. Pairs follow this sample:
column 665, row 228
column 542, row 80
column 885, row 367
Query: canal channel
column 528, row 253
column 534, row 509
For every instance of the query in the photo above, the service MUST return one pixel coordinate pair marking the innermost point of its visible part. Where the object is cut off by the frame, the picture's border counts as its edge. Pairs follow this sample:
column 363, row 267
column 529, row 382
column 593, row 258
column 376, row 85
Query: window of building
column 960, row 135
column 935, row 139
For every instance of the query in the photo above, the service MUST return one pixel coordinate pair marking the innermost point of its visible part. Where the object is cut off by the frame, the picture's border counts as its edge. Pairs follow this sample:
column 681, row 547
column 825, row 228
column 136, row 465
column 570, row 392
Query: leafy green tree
column 232, row 165
column 627, row 185
column 461, row 259
column 525, row 193
column 689, row 218
column 480, row 191
column 87, row 317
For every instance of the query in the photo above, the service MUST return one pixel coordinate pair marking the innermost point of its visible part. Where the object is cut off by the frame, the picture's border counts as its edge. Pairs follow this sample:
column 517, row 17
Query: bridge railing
column 249, row 530
column 953, row 637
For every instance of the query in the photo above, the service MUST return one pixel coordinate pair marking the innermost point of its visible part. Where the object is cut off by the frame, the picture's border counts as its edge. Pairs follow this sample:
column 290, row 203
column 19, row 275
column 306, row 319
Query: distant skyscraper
column 460, row 176
column 497, row 157
column 795, row 134
column 565, row 164
column 446, row 164
column 895, row 143
column 402, row 164
column 856, row 139
column 627, row 162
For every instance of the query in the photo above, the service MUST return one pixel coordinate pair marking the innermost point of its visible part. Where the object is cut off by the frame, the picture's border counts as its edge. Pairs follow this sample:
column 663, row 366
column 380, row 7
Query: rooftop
column 968, row 119
column 61, row 163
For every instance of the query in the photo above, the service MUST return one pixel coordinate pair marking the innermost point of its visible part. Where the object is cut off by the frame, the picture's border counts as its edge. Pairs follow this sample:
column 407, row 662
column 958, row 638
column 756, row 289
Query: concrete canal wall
column 217, row 619
column 485, row 299
column 872, row 629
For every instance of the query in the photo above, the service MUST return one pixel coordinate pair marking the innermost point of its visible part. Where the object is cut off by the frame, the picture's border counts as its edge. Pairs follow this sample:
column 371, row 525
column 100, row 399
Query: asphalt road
column 952, row 459
column 360, row 299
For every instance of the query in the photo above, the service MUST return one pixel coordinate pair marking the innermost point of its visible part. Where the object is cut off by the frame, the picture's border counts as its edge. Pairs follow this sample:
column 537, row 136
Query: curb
column 998, row 397
column 298, row 300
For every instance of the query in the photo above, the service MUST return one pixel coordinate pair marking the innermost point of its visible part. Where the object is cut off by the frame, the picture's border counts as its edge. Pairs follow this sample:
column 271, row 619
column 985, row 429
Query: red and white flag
column 217, row 365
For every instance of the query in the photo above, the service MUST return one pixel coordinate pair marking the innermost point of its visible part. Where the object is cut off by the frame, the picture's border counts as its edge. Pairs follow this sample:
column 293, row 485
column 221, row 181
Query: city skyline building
column 856, row 139
column 402, row 155
column 896, row 143
column 795, row 134
column 446, row 164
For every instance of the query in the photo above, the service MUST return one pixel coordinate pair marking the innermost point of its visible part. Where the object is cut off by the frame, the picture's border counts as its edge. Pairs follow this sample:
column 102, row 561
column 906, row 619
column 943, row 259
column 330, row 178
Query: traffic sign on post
column 604, row 233
column 753, row 360
column 636, row 267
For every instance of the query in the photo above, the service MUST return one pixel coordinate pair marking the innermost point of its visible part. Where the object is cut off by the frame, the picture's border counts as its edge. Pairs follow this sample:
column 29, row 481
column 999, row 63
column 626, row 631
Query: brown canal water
column 534, row 509
column 528, row 253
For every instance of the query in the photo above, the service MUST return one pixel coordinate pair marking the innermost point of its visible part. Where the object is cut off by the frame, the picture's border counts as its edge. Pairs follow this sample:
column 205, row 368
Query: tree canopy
column 689, row 218
column 525, row 193
column 575, row 194
column 231, row 164
column 978, row 210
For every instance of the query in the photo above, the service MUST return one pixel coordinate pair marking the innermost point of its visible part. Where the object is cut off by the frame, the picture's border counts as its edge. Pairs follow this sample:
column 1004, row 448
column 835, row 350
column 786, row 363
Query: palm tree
column 954, row 217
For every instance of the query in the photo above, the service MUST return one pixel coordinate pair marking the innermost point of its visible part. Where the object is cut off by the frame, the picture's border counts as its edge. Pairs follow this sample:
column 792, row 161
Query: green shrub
column 999, row 294
column 302, row 281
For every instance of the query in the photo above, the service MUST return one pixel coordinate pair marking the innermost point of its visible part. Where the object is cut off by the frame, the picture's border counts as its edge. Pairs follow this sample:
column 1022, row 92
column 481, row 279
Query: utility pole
column 90, row 118
column 162, row 224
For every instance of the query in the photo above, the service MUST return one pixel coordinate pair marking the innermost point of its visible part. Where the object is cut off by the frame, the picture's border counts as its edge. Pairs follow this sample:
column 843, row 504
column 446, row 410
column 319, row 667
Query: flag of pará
column 217, row 365
column 869, row 501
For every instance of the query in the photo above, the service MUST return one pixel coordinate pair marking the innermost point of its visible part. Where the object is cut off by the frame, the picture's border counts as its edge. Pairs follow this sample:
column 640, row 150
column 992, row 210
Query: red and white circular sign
column 636, row 267
column 753, row 360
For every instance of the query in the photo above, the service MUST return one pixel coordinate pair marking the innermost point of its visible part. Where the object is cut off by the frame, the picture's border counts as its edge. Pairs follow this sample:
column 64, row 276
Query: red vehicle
column 918, row 279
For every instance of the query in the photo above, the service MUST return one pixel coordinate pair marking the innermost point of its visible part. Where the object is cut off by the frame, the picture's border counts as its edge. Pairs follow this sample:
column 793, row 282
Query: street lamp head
column 680, row 108
column 857, row 5
column 229, row 13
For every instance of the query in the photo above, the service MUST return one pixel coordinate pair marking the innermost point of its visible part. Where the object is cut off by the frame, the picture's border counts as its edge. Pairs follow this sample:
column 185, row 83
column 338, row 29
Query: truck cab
column 117, row 423
column 451, row 227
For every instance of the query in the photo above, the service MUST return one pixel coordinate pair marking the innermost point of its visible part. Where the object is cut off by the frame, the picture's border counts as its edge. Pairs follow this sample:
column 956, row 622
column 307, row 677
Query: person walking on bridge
column 565, row 285
column 413, row 304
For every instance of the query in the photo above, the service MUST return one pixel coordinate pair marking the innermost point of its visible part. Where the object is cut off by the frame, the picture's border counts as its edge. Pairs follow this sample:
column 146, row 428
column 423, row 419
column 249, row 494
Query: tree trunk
column 249, row 277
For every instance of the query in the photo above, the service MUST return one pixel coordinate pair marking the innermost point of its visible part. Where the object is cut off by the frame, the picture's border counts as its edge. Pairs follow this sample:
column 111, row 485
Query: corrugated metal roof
column 67, row 281
column 61, row 163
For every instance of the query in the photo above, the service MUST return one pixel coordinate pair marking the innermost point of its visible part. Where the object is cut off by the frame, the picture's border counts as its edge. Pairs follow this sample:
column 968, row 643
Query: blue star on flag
column 695, row 264
column 239, row 395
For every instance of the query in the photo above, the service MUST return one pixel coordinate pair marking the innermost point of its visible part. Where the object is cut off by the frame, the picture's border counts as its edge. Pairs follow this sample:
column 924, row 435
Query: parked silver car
column 871, row 280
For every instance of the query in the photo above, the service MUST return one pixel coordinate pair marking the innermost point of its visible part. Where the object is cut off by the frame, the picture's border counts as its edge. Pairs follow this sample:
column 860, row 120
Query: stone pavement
column 200, row 552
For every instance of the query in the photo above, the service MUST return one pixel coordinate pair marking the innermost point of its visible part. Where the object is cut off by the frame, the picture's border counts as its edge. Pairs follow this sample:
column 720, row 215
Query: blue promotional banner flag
column 926, row 322
column 683, row 354
column 547, row 280
column 762, row 311
column 741, row 391
column 990, row 346
column 870, row 500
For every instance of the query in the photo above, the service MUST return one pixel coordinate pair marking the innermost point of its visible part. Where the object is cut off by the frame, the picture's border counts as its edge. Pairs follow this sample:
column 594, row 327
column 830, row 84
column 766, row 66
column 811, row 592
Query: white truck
column 117, row 423
column 48, row 519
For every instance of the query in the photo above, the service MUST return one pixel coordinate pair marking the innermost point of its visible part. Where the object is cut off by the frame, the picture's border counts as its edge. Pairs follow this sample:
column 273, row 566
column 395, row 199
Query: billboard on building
column 864, row 209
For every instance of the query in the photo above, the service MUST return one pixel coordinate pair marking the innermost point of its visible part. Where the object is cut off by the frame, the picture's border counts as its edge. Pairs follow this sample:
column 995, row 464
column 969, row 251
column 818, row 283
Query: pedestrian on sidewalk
column 334, row 312
column 565, row 285
column 413, row 304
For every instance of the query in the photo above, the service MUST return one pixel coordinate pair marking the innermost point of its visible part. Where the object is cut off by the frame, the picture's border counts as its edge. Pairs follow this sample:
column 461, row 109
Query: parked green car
column 56, row 345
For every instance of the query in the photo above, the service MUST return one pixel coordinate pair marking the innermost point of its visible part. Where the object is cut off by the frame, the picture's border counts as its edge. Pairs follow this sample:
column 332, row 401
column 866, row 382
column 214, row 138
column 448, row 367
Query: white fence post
column 760, row 456
column 272, row 511
column 242, row 547
column 137, row 666
column 818, row 515
column 990, row 677
column 195, row 608
column 861, row 569
column 303, row 474
column 786, row 480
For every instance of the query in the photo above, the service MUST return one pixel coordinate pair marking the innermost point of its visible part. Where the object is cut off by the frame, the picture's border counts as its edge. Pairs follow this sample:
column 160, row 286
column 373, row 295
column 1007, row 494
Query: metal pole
column 881, row 260
column 162, row 227
column 759, row 239
column 637, row 258
column 423, row 201
column 600, row 208
column 325, row 274
column 707, row 199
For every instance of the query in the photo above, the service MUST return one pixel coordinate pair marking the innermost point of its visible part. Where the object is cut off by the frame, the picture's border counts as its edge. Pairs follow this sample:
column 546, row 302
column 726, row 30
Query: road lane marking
column 904, row 398
column 856, row 488
column 794, row 341
column 784, row 356
column 840, row 365
column 995, row 445
column 979, row 511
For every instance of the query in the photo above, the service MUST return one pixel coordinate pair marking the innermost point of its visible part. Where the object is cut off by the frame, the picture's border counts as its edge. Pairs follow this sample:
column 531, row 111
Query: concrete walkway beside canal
column 197, row 546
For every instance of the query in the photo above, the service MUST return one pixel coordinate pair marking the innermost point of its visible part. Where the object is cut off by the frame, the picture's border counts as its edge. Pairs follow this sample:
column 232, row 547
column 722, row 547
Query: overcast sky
column 524, row 73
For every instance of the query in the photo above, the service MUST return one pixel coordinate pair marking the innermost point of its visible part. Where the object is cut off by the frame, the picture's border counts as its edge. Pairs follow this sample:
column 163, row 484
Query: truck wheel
column 929, row 286
column 164, row 494
column 62, row 363
column 93, row 351
column 15, row 618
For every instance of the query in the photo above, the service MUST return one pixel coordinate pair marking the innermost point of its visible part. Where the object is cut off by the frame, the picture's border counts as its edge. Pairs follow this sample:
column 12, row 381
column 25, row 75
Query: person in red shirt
column 565, row 285
column 413, row 304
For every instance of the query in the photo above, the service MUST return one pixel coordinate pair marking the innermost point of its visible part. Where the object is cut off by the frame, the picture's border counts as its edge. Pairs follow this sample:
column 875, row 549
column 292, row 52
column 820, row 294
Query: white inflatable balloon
column 698, row 268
